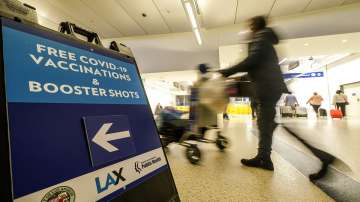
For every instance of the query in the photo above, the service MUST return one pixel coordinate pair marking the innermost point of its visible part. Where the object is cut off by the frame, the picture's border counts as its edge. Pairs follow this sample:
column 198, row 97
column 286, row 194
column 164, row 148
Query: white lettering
column 49, row 62
column 51, row 88
column 93, row 61
column 62, row 54
column 71, row 66
column 37, row 60
column 112, row 66
column 66, row 89
column 95, row 91
column 61, row 65
column 102, row 92
column 72, row 56
column 77, row 90
column 35, row 86
column 52, row 51
column 40, row 48
column 83, row 59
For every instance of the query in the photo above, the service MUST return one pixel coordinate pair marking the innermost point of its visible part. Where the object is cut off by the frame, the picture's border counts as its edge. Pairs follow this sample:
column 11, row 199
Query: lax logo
column 112, row 179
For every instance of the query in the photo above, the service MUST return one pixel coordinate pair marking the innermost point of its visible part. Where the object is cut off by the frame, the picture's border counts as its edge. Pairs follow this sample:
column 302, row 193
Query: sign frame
column 5, row 150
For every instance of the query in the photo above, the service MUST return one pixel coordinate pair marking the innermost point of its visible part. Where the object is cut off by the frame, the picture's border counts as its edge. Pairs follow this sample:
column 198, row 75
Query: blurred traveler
column 201, row 115
column 290, row 100
column 253, row 105
column 264, row 71
column 158, row 109
column 315, row 101
column 225, row 116
column 340, row 101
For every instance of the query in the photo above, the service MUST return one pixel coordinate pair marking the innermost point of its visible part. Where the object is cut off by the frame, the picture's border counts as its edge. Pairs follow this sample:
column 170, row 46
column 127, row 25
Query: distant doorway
column 352, row 90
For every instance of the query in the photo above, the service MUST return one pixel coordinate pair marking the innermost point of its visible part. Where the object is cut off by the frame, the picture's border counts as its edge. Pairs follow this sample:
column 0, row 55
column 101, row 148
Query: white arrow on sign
column 102, row 138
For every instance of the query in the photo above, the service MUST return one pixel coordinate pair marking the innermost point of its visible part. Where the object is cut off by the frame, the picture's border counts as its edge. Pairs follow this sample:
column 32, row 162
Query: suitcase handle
column 71, row 29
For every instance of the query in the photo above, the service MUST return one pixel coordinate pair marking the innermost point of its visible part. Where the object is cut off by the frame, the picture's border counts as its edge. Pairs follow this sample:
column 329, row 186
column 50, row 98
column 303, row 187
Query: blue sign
column 303, row 75
column 75, row 111
column 109, row 138
column 60, row 73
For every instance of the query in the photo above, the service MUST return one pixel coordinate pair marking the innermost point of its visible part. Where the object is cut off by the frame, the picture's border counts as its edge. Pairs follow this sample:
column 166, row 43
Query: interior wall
column 230, row 55
column 303, row 89
column 157, row 94
column 343, row 72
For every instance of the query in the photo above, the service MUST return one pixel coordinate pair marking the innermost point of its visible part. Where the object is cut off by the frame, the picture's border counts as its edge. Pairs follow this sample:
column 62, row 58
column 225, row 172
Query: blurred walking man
column 264, row 71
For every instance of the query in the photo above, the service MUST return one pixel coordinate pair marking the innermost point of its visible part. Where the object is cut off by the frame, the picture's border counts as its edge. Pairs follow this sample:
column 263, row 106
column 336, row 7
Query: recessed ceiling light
column 306, row 44
column 243, row 32
column 42, row 14
column 344, row 40
column 198, row 36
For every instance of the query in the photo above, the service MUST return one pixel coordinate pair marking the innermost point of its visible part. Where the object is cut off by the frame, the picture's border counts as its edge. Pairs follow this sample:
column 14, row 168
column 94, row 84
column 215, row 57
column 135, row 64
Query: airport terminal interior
column 76, row 72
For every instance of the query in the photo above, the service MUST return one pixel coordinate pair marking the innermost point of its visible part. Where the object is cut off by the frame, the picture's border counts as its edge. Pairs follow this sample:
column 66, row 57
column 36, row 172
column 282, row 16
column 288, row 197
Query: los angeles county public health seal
column 60, row 194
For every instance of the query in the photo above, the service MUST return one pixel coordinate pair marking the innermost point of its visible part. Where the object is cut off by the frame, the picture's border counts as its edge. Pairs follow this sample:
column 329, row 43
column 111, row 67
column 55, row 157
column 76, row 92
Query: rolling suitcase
column 286, row 111
column 336, row 114
column 301, row 112
column 322, row 112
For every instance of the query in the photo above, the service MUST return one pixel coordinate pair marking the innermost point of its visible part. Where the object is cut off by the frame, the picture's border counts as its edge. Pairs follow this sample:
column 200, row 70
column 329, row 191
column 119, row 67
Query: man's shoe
column 320, row 174
column 258, row 163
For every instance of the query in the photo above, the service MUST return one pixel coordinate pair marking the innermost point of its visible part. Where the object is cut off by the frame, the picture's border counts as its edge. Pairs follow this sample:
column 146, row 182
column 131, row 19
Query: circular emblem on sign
column 60, row 194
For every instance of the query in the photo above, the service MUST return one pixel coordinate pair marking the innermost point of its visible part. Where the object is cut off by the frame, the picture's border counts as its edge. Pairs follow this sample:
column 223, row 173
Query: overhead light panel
column 243, row 32
column 191, row 15
column 198, row 36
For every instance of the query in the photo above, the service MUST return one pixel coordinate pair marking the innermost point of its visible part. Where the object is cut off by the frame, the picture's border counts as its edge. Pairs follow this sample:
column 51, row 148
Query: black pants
column 254, row 109
column 266, row 124
column 342, row 107
column 316, row 108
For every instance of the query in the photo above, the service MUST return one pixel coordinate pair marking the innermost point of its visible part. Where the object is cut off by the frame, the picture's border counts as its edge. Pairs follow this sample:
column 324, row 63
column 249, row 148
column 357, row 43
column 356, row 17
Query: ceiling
column 120, row 18
column 217, row 13
column 311, row 52
column 179, row 51
column 162, row 41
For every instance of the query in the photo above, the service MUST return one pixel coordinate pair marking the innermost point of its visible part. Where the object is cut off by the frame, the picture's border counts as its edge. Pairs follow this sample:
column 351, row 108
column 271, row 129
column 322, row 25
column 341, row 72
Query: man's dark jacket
column 262, row 66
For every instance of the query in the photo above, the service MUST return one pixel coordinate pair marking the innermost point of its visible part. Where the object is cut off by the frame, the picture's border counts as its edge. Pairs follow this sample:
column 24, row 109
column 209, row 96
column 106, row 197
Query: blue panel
column 75, row 75
column 290, row 75
column 312, row 74
column 303, row 75
column 49, row 129
column 49, row 142
column 103, row 151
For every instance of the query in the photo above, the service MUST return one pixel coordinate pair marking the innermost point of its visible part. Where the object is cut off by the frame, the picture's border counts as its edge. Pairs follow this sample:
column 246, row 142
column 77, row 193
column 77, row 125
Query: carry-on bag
column 336, row 114
column 322, row 112
column 286, row 111
column 212, row 94
column 301, row 112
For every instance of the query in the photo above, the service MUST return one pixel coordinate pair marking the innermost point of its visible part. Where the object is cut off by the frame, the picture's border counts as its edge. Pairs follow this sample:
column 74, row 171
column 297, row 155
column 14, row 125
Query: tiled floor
column 340, row 138
column 220, row 177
